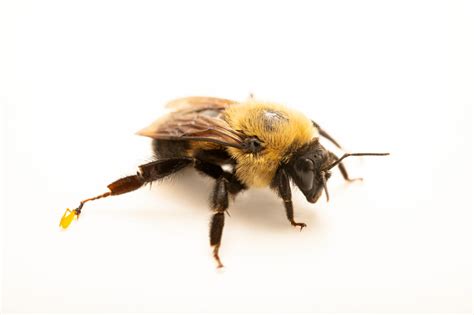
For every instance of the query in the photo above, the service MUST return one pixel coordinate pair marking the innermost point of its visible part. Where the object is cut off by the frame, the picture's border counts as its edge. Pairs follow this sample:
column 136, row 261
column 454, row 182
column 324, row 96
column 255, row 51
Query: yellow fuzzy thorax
column 282, row 131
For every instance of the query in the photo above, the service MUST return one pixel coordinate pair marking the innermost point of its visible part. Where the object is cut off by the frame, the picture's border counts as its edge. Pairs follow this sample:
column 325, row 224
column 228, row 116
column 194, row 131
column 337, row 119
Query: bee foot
column 219, row 265
column 215, row 254
column 301, row 225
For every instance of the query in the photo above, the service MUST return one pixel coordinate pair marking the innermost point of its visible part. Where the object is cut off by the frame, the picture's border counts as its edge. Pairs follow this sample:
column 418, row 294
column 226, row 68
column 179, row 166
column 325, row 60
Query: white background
column 79, row 78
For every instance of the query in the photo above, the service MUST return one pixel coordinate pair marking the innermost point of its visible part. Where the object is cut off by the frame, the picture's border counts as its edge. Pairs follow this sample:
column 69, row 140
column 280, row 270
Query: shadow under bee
column 257, row 208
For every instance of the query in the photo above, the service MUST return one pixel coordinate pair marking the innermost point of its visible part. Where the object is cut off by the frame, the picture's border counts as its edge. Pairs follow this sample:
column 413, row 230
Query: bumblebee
column 239, row 145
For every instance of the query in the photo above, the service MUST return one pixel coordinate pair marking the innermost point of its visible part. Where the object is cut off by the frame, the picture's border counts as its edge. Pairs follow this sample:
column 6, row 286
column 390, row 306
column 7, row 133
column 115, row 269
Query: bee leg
column 234, row 186
column 326, row 135
column 219, row 204
column 289, row 214
column 212, row 170
column 162, row 168
column 226, row 184
column 147, row 173
column 344, row 173
column 281, row 183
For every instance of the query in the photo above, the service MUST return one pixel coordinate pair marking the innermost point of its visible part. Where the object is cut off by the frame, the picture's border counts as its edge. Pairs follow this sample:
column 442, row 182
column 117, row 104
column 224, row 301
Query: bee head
column 310, row 166
column 308, row 170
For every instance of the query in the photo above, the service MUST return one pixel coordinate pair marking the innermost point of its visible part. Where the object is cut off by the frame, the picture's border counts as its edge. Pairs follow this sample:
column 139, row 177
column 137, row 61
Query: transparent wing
column 197, row 119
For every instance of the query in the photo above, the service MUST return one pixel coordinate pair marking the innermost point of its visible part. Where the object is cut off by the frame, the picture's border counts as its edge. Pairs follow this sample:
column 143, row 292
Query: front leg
column 281, row 183
column 343, row 171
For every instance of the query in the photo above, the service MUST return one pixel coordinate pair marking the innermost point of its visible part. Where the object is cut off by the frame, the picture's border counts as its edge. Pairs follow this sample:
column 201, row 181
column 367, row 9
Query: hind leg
column 147, row 173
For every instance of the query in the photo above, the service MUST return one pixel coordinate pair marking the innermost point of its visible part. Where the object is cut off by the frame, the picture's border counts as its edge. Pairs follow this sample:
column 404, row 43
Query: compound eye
column 305, row 172
column 305, row 165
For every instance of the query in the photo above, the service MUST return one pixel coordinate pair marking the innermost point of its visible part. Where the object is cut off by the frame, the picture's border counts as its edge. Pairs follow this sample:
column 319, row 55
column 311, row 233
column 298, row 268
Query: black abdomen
column 165, row 149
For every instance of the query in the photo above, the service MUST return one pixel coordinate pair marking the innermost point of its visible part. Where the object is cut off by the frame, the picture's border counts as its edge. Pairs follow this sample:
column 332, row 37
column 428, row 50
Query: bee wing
column 200, row 123
column 194, row 102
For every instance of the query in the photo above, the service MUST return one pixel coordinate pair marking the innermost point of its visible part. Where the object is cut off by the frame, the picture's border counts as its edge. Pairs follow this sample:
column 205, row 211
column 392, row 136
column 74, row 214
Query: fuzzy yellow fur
column 289, row 131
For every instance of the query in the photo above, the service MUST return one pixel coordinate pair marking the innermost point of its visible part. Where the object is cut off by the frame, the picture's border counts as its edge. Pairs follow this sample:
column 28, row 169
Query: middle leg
column 219, row 204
